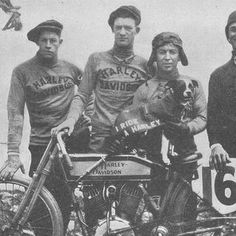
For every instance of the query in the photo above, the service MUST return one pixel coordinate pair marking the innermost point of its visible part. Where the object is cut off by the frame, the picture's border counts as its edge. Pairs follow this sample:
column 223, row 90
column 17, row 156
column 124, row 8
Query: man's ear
column 137, row 29
column 61, row 41
column 195, row 83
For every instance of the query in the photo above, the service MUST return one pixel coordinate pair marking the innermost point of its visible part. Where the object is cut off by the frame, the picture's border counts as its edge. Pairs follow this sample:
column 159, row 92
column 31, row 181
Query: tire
column 179, row 205
column 184, row 206
column 45, row 219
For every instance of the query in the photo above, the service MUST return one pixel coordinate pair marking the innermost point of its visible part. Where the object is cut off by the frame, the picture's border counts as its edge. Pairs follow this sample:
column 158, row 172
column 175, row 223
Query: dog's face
column 182, row 89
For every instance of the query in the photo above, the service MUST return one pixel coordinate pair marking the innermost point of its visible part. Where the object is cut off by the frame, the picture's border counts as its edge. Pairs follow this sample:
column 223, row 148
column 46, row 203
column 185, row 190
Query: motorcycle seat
column 186, row 159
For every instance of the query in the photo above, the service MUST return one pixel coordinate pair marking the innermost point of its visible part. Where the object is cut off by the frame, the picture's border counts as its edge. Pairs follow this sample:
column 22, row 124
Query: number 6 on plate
column 223, row 188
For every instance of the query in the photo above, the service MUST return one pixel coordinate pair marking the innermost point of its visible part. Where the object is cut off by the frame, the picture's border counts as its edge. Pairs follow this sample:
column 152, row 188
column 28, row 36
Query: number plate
column 220, row 188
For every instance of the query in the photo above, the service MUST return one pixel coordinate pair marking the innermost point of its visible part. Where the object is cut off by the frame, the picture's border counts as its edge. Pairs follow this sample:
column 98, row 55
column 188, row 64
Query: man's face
column 232, row 35
column 48, row 43
column 167, row 57
column 125, row 30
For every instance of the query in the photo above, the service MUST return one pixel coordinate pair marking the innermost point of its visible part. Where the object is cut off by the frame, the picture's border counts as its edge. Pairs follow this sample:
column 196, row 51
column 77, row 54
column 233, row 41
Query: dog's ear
column 195, row 83
column 171, row 84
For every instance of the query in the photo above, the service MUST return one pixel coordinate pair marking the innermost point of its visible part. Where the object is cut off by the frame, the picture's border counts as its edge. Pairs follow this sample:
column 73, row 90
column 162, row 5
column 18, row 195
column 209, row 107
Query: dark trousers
column 53, row 183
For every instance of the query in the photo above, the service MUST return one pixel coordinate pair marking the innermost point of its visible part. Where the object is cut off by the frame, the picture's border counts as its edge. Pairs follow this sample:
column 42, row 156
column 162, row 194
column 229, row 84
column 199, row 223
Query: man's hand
column 173, row 129
column 67, row 124
column 218, row 158
column 11, row 166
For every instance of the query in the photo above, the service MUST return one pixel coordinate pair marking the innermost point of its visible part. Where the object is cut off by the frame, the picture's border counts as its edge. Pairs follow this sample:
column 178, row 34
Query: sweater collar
column 46, row 62
column 123, row 54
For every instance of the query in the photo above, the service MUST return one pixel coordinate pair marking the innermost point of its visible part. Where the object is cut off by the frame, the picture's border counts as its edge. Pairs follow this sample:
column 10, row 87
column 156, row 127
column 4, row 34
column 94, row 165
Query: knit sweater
column 47, row 92
column 221, row 126
column 114, row 82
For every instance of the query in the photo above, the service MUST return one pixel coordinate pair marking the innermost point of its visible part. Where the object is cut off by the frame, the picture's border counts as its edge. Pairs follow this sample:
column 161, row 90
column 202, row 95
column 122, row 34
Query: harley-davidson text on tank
column 120, row 165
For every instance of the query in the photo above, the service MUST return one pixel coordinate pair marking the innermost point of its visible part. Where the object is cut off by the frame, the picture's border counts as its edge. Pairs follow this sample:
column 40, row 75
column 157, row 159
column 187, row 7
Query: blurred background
column 200, row 24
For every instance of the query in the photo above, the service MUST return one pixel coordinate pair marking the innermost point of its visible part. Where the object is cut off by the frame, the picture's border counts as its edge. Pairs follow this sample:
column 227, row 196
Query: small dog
column 182, row 89
column 175, row 106
column 178, row 107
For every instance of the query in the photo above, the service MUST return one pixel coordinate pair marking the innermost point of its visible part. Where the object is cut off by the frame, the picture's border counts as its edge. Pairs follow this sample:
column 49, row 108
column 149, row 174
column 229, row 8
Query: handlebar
column 63, row 148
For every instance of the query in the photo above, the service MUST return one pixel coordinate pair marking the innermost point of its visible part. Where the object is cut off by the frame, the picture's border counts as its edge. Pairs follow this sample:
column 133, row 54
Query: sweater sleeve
column 140, row 96
column 90, row 106
column 78, row 78
column 15, row 108
column 199, row 121
column 82, row 96
column 214, row 111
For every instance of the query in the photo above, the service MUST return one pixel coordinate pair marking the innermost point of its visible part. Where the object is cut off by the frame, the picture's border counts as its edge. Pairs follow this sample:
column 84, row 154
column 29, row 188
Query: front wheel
column 45, row 218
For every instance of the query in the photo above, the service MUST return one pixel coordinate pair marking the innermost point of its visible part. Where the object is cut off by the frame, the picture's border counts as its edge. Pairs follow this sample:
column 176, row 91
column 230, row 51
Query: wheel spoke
column 40, row 222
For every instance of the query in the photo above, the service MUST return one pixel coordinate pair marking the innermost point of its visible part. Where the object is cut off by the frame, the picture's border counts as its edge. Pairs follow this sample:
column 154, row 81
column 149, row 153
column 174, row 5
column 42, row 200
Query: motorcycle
column 119, row 194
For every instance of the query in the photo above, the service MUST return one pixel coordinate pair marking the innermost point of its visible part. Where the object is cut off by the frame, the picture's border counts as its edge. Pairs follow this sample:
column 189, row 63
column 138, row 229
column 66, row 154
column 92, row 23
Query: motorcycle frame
column 56, row 149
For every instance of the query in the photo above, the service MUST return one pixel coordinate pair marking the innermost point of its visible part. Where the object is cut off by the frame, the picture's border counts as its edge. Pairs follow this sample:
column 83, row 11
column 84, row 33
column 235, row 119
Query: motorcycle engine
column 94, row 204
column 129, row 208
column 129, row 199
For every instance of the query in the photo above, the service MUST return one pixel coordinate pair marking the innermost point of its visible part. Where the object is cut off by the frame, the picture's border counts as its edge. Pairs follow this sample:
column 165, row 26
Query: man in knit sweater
column 47, row 86
column 113, row 75
column 221, row 126
column 167, row 51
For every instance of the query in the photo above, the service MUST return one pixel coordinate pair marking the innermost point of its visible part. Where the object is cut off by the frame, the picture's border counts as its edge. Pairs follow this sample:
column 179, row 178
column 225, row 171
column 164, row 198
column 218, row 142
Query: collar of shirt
column 126, row 60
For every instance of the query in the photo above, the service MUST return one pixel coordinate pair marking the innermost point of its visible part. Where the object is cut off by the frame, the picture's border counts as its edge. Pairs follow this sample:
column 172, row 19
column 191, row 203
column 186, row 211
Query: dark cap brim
column 132, row 11
column 33, row 35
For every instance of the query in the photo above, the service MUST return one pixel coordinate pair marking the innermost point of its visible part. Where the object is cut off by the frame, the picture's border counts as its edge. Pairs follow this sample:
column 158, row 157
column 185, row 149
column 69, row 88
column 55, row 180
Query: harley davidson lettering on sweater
column 114, row 83
column 47, row 93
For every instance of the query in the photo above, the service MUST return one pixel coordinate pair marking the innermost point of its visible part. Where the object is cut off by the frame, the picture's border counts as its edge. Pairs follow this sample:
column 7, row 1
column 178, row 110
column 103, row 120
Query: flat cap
column 50, row 25
column 164, row 38
column 130, row 10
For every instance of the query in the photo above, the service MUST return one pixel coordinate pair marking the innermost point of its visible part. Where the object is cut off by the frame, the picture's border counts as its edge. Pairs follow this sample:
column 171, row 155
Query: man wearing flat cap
column 167, row 51
column 46, row 85
column 221, row 125
column 113, row 75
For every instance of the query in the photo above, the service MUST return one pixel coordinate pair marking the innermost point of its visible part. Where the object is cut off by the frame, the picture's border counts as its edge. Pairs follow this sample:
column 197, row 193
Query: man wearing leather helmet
column 167, row 51
column 184, row 113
